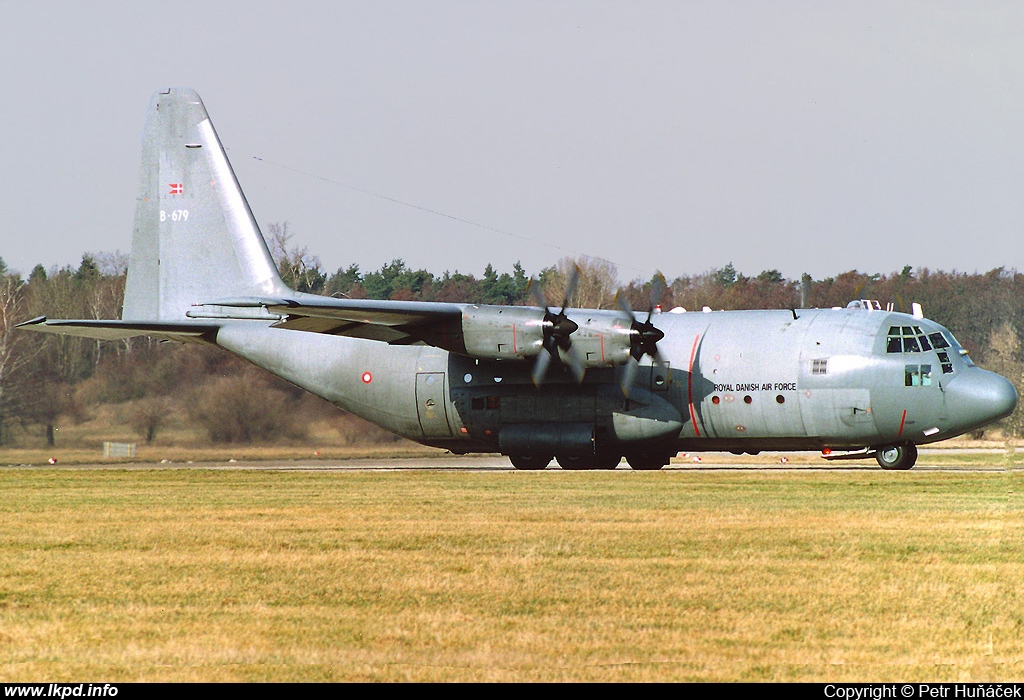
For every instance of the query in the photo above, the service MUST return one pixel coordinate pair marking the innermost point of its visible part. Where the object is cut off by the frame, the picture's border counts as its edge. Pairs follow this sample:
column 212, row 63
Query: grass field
column 433, row 575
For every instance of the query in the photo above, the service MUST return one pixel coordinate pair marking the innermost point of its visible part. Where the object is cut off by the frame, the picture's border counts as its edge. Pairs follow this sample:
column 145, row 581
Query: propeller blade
column 623, row 303
column 557, row 331
column 643, row 337
column 658, row 288
column 540, row 368
column 575, row 362
column 536, row 293
column 628, row 376
column 570, row 285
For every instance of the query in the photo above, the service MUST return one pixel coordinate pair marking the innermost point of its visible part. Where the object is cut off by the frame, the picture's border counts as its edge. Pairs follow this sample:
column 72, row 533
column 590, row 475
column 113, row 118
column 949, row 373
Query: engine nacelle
column 603, row 339
column 502, row 332
column 517, row 333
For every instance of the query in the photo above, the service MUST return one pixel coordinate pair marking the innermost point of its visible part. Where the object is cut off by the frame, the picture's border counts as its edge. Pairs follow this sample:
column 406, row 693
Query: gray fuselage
column 741, row 381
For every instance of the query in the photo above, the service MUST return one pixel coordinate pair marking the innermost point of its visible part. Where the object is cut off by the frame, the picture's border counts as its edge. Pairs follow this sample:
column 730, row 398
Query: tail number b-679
column 175, row 215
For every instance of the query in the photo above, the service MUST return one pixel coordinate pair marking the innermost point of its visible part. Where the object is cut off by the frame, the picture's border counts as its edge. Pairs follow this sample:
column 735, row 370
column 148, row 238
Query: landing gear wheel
column 573, row 462
column 529, row 462
column 647, row 461
column 601, row 460
column 897, row 457
column 606, row 460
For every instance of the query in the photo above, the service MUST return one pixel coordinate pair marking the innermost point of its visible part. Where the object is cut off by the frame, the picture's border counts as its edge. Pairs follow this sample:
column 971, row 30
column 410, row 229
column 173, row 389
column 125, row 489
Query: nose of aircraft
column 978, row 397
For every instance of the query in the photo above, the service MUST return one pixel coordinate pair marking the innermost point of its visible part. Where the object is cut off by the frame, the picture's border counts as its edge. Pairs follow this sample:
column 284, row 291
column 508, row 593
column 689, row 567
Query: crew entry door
column 431, row 404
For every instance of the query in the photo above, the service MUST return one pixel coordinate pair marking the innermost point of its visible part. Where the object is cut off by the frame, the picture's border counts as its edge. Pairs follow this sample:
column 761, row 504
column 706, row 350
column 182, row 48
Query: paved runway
column 684, row 462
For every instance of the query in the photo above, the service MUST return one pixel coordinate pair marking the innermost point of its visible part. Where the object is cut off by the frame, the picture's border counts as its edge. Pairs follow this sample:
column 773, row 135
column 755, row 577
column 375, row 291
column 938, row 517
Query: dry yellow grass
column 201, row 575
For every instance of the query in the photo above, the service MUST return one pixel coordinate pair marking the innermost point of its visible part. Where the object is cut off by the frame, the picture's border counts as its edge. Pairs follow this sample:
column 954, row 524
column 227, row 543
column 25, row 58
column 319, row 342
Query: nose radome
column 980, row 397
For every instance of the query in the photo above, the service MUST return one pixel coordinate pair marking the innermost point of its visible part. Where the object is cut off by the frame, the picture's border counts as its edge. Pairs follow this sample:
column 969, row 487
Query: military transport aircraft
column 585, row 387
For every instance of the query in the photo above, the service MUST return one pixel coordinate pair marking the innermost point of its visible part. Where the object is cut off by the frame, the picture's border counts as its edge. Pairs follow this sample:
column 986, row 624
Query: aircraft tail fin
column 195, row 238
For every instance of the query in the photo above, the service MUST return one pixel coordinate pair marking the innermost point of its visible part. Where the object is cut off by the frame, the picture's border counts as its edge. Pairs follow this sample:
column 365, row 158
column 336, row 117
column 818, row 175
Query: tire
column 897, row 457
column 606, row 460
column 530, row 462
column 573, row 462
column 647, row 461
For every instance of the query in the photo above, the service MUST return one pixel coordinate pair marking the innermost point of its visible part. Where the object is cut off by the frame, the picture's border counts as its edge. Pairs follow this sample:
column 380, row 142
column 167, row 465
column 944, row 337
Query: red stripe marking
column 515, row 347
column 902, row 421
column 689, row 387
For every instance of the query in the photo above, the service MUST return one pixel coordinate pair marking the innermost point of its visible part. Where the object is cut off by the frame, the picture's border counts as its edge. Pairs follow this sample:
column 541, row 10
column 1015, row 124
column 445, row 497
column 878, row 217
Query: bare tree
column 1004, row 357
column 15, row 350
column 299, row 269
column 149, row 415
column 595, row 288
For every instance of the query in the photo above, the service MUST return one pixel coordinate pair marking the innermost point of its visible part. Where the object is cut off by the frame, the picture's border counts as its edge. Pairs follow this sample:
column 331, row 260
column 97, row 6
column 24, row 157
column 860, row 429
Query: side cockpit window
column 938, row 341
column 947, row 366
column 918, row 375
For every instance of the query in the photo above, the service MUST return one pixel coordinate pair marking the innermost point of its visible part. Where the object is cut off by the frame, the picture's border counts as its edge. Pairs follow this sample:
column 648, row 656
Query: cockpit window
column 906, row 339
column 947, row 366
column 918, row 375
column 909, row 339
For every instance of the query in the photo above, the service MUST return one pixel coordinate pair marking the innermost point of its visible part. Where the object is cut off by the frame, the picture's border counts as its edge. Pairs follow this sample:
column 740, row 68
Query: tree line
column 44, row 377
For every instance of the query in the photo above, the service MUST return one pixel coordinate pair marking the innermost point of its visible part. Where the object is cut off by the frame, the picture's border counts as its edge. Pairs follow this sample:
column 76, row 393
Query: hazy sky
column 810, row 137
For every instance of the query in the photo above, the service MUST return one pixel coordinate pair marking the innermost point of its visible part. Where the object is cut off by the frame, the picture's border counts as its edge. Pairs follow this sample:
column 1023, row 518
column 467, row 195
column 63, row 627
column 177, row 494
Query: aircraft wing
column 181, row 332
column 395, row 322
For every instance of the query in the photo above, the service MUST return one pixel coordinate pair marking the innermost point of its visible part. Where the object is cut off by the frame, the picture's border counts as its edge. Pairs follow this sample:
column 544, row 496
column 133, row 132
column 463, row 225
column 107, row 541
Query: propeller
column 643, row 336
column 859, row 287
column 557, row 328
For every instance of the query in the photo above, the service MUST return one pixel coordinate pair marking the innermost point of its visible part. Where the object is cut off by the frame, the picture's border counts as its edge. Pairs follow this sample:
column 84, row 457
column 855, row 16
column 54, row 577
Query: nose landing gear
column 897, row 457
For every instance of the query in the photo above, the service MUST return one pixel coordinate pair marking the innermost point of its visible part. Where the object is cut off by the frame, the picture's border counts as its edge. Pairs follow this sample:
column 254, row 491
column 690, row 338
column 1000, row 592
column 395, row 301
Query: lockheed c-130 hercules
column 585, row 387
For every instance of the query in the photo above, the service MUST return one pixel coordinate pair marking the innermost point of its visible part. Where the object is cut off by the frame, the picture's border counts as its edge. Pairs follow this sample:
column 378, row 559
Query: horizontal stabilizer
column 181, row 332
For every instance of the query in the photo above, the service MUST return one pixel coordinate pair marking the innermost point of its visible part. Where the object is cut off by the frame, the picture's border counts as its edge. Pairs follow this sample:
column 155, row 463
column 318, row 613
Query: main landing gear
column 897, row 457
column 639, row 461
column 601, row 460
column 530, row 462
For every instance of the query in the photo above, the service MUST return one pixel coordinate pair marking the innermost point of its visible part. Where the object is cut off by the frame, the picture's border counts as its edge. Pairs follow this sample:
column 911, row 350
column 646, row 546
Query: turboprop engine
column 581, row 340
column 584, row 341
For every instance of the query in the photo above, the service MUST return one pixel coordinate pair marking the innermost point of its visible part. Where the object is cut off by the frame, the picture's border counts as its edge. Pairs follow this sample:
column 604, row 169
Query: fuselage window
column 918, row 375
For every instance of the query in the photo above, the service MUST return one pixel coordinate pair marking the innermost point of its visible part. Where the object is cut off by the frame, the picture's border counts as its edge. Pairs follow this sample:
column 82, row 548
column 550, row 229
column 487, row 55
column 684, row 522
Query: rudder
column 195, row 238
